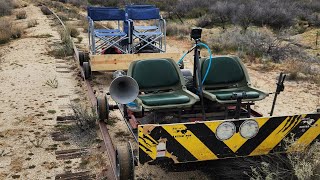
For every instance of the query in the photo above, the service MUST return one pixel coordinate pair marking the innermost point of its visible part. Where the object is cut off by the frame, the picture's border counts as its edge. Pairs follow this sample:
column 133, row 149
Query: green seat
column 164, row 99
column 227, row 76
column 227, row 95
column 161, row 84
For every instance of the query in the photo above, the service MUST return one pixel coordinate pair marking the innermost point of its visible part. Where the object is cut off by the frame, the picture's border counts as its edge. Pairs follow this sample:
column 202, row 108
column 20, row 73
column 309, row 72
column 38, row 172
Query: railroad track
column 76, row 153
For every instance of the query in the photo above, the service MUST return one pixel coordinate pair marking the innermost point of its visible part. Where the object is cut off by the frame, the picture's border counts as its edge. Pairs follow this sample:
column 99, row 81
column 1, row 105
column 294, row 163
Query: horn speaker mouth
column 124, row 89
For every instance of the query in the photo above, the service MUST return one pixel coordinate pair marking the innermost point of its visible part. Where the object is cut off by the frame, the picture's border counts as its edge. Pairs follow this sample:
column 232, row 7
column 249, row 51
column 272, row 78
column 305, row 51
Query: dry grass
column 179, row 30
column 300, row 70
column 6, row 7
column 303, row 165
column 306, row 164
column 73, row 31
column 63, row 16
column 32, row 23
column 65, row 48
column 8, row 31
column 79, row 38
column 83, row 22
column 42, row 36
column 21, row 14
column 85, row 120
column 53, row 83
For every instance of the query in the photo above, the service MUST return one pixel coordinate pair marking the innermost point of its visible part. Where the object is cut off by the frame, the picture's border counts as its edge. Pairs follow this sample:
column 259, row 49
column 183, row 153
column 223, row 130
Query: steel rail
column 110, row 149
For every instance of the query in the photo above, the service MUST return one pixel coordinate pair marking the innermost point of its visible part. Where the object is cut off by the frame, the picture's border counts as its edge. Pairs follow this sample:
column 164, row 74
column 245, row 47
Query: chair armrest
column 190, row 93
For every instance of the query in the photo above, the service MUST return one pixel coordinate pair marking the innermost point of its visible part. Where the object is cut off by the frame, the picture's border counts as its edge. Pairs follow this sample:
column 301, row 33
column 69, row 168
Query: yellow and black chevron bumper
column 190, row 142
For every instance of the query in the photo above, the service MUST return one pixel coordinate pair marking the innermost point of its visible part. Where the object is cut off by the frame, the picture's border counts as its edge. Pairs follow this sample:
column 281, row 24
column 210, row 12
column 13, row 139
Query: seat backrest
column 142, row 12
column 106, row 14
column 225, row 71
column 137, row 6
column 156, row 74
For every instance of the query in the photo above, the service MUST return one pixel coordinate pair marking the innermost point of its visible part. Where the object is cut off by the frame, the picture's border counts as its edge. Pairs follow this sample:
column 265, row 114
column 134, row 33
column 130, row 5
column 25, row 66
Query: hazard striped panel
column 198, row 141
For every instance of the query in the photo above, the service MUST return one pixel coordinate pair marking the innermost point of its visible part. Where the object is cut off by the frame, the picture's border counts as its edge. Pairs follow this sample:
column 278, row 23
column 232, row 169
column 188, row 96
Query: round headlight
column 249, row 129
column 225, row 131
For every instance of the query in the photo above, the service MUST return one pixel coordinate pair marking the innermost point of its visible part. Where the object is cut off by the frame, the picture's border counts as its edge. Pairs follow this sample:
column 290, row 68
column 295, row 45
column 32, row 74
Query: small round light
column 225, row 131
column 249, row 129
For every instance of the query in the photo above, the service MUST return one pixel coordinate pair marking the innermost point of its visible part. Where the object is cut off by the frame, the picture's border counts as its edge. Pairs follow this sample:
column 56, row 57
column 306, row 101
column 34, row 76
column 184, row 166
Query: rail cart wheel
column 125, row 162
column 81, row 58
column 87, row 70
column 103, row 108
column 86, row 57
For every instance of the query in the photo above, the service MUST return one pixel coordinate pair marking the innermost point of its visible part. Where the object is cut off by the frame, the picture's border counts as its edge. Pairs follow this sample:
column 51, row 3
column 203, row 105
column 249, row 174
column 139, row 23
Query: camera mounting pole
column 280, row 88
column 196, row 36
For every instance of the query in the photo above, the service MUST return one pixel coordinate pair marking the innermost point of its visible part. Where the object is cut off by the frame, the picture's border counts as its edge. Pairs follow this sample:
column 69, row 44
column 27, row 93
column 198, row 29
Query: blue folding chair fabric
column 146, row 13
column 101, row 40
column 106, row 13
column 149, row 36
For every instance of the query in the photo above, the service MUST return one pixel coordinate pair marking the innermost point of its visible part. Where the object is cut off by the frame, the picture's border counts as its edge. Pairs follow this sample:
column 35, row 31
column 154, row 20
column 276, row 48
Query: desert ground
column 37, row 90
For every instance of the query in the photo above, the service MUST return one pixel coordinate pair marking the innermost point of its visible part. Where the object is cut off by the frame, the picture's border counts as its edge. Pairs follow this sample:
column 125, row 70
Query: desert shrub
column 174, row 29
column 193, row 8
column 63, row 17
column 78, row 3
column 5, row 7
column 32, row 23
column 303, row 69
column 79, row 38
column 204, row 21
column 8, row 31
column 223, row 12
column 314, row 19
column 86, row 120
column 114, row 3
column 21, row 14
column 45, row 10
column 67, row 44
column 73, row 31
column 83, row 23
column 245, row 15
column 303, row 165
column 254, row 43
column 276, row 14
column 5, row 33
column 313, row 5
column 16, row 32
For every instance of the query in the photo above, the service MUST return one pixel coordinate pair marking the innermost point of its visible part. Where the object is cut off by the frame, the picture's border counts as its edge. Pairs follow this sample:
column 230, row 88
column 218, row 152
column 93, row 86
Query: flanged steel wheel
column 103, row 108
column 87, row 70
column 125, row 162
column 83, row 57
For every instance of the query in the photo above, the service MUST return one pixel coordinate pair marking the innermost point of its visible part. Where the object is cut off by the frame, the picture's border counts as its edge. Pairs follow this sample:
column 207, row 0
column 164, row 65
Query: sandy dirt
column 29, row 107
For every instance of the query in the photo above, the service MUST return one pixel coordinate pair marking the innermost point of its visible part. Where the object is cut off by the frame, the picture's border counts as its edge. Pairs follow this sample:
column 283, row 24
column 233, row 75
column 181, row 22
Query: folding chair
column 146, row 38
column 101, row 40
